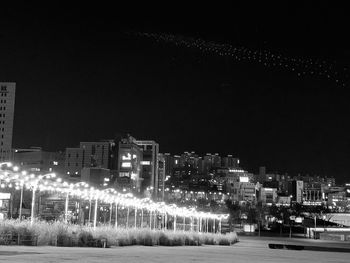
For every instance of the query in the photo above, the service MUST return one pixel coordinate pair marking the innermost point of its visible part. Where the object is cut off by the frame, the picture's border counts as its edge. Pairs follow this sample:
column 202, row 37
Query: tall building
column 161, row 176
column 295, row 190
column 7, row 109
column 35, row 159
column 90, row 154
column 169, row 164
column 129, row 165
column 150, row 151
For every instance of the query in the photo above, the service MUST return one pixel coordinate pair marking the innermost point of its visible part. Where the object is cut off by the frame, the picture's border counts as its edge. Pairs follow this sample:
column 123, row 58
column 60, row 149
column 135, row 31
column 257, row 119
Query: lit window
column 126, row 164
column 126, row 157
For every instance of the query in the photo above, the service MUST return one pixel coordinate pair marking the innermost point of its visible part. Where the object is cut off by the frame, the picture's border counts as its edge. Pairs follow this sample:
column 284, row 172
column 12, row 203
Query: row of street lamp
column 48, row 182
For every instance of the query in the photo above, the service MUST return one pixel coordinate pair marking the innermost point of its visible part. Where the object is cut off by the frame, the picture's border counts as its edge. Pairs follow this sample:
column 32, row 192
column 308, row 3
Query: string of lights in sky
column 300, row 66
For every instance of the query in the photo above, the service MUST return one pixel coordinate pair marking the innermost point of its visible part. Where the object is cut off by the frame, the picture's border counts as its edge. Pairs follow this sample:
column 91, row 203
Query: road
column 249, row 249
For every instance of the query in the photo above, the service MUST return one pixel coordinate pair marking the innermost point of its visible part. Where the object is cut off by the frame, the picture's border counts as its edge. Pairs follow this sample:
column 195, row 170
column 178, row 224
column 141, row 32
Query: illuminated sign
column 236, row 171
column 126, row 164
column 5, row 196
column 243, row 179
column 145, row 163
column 126, row 157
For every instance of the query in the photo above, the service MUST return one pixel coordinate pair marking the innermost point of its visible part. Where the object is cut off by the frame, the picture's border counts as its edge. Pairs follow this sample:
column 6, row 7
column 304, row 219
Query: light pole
column 95, row 213
column 141, row 217
column 315, row 227
column 127, row 218
column 66, row 208
column 116, row 215
column 110, row 213
column 89, row 210
column 20, row 203
column 150, row 219
column 184, row 223
column 33, row 204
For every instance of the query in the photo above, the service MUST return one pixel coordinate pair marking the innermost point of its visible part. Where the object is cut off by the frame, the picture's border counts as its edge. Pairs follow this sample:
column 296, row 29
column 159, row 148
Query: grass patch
column 62, row 234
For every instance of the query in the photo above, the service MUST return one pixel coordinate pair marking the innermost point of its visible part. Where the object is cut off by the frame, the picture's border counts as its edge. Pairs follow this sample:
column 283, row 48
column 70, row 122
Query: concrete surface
column 250, row 249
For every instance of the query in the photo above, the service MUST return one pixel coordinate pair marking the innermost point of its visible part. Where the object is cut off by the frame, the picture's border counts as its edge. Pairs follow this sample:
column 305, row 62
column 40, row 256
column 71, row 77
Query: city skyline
column 87, row 80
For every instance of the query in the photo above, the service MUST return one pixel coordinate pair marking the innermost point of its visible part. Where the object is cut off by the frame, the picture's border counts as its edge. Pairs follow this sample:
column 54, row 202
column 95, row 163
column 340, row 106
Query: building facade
column 7, row 109
column 35, row 159
column 150, row 182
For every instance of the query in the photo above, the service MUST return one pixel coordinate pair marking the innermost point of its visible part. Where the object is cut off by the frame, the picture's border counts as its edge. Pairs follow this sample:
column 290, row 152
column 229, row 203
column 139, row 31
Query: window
column 126, row 164
column 3, row 88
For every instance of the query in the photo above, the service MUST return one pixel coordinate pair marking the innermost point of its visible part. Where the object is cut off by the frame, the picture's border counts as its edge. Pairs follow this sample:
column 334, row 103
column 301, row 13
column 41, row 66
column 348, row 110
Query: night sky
column 89, row 74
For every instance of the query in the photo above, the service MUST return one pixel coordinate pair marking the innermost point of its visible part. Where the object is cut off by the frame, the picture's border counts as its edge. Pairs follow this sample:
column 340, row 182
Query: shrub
column 62, row 234
column 85, row 239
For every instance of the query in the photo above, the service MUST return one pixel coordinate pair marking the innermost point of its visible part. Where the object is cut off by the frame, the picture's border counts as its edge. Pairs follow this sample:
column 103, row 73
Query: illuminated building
column 229, row 162
column 95, row 176
column 169, row 164
column 267, row 196
column 283, row 200
column 90, row 154
column 177, row 161
column 150, row 151
column 244, row 192
column 34, row 159
column 216, row 160
column 296, row 190
column 7, row 108
column 74, row 161
column 129, row 165
column 313, row 193
column 161, row 176
column 207, row 163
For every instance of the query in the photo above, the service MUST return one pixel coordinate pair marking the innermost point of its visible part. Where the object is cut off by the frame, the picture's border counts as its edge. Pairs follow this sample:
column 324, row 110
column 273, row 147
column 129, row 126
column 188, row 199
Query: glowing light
column 126, row 164
column 299, row 66
column 82, row 190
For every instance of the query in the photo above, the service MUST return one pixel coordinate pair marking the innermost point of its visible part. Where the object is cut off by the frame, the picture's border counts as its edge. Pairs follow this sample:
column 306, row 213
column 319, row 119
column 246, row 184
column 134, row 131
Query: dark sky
column 81, row 76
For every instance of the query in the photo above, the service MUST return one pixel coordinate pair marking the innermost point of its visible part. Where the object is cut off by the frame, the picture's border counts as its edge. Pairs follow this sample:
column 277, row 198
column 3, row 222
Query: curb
column 312, row 248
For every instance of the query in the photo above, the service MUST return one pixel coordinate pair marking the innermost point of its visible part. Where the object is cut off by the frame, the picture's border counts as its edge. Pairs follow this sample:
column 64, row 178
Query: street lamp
column 34, row 184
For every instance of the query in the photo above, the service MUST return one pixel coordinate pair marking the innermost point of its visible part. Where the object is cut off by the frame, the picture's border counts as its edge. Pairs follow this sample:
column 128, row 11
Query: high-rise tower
column 7, row 109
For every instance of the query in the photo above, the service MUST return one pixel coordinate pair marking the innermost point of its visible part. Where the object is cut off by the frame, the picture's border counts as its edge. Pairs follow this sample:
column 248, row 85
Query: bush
column 85, row 239
column 62, row 234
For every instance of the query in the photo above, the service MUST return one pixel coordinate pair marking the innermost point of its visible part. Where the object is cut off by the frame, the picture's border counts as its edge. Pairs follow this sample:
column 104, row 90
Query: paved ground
column 249, row 249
